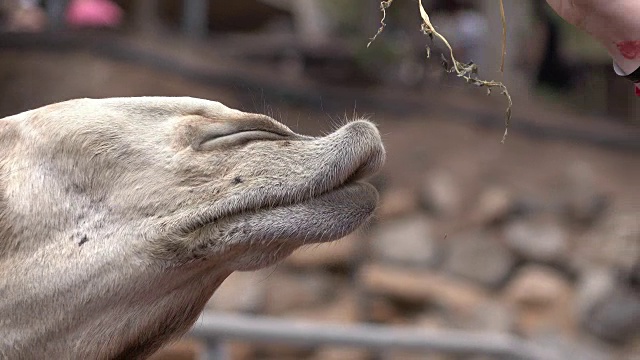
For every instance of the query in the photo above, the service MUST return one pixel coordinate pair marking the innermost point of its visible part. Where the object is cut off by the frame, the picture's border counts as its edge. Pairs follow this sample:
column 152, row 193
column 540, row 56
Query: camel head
column 120, row 217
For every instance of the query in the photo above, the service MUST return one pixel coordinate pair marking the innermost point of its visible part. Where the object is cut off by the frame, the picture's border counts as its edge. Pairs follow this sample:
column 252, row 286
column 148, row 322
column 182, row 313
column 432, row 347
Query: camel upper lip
column 351, row 166
column 352, row 173
column 360, row 173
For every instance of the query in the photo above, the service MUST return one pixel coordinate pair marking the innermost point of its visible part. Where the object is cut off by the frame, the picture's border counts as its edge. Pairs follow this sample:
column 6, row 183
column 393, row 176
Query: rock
column 490, row 316
column 543, row 301
column 539, row 239
column 440, row 194
column 421, row 286
column 408, row 240
column 241, row 292
column 584, row 202
column 615, row 242
column 287, row 292
column 396, row 202
column 487, row 316
column 607, row 307
column 381, row 310
column 431, row 320
column 494, row 205
column 535, row 285
column 477, row 257
column 338, row 253
column 341, row 307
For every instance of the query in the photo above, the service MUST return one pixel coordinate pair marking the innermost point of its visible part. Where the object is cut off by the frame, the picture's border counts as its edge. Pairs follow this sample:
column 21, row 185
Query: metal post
column 217, row 326
column 195, row 20
column 55, row 11
column 215, row 350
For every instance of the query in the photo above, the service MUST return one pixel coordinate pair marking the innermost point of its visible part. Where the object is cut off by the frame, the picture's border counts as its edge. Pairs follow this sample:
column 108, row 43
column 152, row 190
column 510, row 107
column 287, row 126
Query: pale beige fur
column 120, row 217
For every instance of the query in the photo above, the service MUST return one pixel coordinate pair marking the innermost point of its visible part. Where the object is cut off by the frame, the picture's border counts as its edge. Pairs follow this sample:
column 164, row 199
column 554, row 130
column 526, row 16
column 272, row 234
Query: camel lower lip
column 305, row 222
column 352, row 190
column 359, row 193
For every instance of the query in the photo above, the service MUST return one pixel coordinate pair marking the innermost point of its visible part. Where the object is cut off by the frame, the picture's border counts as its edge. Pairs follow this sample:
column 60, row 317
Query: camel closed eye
column 220, row 136
column 235, row 139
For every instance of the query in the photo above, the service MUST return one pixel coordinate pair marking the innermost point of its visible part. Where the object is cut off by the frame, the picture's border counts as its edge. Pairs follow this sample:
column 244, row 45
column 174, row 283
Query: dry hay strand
column 466, row 71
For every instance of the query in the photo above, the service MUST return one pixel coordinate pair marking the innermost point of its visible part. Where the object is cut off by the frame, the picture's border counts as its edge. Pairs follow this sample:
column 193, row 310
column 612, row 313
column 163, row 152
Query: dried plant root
column 462, row 70
column 384, row 5
column 503, row 19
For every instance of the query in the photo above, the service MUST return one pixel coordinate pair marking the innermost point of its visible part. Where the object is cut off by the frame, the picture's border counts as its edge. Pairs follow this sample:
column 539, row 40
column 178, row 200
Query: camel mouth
column 329, row 175
column 332, row 205
column 353, row 190
column 270, row 234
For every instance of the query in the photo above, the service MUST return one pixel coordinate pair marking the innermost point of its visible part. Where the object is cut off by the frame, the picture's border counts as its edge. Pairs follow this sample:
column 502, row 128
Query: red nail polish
column 637, row 89
column 629, row 49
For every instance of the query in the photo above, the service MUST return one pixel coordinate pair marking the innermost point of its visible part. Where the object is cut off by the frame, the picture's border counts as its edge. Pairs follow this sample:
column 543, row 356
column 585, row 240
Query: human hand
column 615, row 23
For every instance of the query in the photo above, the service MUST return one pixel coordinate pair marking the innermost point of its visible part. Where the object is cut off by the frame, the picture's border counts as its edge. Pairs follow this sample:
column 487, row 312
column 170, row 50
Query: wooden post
column 195, row 21
column 145, row 16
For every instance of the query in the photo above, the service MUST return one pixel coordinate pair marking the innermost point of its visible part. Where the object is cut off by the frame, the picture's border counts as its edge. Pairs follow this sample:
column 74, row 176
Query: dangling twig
column 462, row 70
column 384, row 5
column 503, row 19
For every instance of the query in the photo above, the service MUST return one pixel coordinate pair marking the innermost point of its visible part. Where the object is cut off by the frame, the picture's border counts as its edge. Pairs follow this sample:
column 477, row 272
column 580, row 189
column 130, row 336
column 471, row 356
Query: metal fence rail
column 214, row 328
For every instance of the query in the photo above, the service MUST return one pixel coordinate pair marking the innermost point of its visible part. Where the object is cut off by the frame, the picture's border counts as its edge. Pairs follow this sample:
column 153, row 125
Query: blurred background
column 538, row 238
